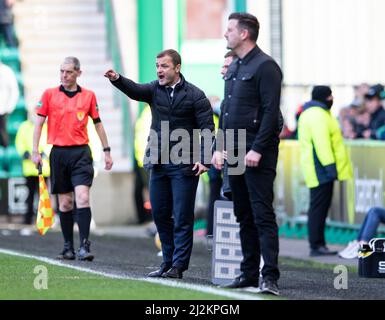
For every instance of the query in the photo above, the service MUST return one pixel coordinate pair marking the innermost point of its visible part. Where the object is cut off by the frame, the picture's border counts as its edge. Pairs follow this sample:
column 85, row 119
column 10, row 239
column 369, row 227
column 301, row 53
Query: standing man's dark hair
column 173, row 185
column 247, row 22
column 252, row 98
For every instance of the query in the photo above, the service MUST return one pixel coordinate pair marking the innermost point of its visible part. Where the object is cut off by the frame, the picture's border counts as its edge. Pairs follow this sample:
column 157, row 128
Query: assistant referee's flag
column 45, row 213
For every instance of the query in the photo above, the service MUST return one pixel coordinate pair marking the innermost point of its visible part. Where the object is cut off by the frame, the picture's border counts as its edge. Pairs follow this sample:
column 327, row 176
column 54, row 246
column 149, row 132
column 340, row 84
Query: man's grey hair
column 73, row 60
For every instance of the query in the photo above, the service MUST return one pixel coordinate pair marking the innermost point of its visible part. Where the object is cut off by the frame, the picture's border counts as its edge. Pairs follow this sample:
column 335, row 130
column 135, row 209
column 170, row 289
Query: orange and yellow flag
column 45, row 213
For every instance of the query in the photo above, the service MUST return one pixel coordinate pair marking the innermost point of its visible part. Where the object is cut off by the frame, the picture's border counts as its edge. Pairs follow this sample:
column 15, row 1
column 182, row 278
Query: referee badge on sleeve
column 80, row 115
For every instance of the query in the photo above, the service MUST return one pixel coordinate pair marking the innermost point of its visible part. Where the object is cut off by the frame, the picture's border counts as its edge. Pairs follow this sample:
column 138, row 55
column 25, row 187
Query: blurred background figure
column 219, row 187
column 141, row 194
column 351, row 127
column 286, row 133
column 9, row 94
column 6, row 22
column 374, row 107
column 24, row 145
column 215, row 176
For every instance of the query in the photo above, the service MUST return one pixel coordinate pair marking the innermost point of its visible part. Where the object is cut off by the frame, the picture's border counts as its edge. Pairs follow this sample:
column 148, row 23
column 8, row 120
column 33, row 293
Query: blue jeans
column 372, row 220
column 172, row 195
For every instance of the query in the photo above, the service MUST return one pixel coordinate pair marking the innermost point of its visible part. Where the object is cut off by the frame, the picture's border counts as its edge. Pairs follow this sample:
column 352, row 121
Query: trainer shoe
column 351, row 251
column 68, row 252
column 83, row 253
column 269, row 287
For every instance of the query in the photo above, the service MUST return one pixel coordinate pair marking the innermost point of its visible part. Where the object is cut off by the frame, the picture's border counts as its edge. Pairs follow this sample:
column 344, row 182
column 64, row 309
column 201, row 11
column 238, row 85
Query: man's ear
column 177, row 68
column 244, row 34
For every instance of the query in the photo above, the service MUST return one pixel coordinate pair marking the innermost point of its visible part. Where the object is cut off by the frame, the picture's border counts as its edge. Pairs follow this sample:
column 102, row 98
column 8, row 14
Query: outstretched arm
column 135, row 91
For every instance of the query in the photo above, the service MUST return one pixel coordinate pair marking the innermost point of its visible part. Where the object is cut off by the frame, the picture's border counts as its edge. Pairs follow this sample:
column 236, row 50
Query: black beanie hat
column 320, row 93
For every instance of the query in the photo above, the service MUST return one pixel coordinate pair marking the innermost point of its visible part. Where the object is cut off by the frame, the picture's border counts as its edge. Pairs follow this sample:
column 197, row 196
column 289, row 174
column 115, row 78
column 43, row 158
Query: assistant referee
column 67, row 108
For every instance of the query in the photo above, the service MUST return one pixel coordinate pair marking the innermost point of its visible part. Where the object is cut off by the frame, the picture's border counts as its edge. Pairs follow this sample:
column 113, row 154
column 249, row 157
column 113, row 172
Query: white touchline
column 182, row 285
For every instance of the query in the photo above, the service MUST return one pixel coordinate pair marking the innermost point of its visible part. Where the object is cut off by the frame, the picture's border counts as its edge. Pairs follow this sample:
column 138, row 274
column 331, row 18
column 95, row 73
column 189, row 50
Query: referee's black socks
column 84, row 223
column 67, row 227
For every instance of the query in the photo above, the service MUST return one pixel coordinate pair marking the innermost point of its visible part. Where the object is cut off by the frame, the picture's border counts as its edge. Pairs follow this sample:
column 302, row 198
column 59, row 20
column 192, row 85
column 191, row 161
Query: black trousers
column 253, row 195
column 320, row 201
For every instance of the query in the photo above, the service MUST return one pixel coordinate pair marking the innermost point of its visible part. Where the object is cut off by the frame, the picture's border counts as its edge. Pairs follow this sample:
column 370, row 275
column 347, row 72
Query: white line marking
column 175, row 284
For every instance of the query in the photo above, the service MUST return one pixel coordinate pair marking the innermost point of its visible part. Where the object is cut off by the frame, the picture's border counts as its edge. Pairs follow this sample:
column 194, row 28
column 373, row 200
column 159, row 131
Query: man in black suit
column 251, row 103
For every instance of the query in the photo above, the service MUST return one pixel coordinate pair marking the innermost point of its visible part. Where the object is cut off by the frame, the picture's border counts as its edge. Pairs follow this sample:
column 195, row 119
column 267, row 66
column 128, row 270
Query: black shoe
column 242, row 282
column 174, row 272
column 269, row 287
column 322, row 251
column 83, row 253
column 158, row 273
column 68, row 252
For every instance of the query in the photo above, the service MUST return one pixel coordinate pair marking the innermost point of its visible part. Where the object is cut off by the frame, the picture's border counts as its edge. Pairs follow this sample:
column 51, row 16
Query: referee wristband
column 107, row 149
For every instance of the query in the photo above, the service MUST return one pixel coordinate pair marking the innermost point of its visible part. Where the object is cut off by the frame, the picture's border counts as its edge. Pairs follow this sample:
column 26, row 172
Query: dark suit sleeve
column 135, row 91
column 270, row 80
column 204, row 119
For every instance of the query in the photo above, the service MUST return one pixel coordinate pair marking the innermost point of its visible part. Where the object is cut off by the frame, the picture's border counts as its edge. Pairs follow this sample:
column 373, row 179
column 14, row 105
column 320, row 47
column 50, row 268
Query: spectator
column 360, row 123
column 6, row 22
column 347, row 116
column 359, row 95
column 286, row 133
column 323, row 160
column 368, row 230
column 9, row 94
column 24, row 145
column 377, row 113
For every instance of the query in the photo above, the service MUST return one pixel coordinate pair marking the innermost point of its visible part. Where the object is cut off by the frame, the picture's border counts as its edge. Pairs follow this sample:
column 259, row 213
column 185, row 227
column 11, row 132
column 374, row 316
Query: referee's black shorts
column 70, row 167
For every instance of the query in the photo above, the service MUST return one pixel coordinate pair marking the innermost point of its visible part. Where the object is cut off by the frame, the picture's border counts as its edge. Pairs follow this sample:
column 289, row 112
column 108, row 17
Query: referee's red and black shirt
column 68, row 116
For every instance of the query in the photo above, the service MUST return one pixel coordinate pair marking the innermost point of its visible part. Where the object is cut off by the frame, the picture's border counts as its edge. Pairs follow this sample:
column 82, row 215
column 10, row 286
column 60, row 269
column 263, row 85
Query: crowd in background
column 363, row 118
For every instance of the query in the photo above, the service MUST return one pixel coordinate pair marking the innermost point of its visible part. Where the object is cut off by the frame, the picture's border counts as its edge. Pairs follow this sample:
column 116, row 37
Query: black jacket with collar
column 189, row 110
column 252, row 100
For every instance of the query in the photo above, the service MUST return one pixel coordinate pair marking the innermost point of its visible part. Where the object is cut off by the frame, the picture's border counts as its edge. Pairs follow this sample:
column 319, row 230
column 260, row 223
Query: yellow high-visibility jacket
column 324, row 157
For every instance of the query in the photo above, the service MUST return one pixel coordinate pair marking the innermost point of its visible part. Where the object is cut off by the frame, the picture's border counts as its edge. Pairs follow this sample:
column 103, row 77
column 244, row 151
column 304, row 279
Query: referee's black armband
column 97, row 120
